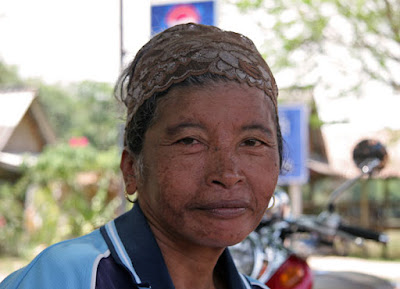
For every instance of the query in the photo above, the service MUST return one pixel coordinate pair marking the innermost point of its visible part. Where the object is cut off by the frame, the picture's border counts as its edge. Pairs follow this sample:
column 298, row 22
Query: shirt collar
column 147, row 260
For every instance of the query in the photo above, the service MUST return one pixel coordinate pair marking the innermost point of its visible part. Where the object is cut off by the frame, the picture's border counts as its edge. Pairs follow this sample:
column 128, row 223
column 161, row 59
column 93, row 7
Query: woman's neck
column 191, row 266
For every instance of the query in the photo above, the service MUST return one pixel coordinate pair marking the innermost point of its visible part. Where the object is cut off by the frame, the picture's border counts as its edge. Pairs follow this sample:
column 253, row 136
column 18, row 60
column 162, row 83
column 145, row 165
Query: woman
column 202, row 152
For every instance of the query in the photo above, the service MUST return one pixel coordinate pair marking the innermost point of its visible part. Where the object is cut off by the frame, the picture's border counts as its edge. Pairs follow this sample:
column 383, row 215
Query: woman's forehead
column 227, row 100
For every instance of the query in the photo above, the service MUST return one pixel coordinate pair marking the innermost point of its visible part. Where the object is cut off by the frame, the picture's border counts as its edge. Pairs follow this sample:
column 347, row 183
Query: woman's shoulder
column 87, row 245
column 67, row 264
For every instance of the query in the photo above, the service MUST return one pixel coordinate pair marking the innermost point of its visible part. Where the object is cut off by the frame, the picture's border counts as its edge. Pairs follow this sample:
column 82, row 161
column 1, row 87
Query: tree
column 363, row 35
column 9, row 76
column 68, row 192
column 102, row 123
column 85, row 109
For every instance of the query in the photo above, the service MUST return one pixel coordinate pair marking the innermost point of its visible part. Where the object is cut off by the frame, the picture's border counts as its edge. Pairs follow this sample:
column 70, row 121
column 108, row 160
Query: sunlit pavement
column 383, row 269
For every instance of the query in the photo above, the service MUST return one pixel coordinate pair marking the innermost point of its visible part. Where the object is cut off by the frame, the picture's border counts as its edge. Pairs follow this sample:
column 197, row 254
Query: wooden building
column 24, row 130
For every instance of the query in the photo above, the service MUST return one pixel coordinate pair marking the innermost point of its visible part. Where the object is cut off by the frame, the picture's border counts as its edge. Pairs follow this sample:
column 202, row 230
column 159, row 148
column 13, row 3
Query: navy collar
column 146, row 257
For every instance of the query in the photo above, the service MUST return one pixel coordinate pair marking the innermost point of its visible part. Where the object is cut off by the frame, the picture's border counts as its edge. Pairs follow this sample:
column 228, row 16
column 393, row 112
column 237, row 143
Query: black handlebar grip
column 364, row 233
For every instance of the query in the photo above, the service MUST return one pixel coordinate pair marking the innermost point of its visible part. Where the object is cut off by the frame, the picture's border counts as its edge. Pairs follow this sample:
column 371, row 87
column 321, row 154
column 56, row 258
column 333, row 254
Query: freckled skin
column 210, row 164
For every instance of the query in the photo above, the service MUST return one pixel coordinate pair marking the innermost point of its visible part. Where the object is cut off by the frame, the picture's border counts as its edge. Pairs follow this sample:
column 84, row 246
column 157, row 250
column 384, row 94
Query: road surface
column 389, row 270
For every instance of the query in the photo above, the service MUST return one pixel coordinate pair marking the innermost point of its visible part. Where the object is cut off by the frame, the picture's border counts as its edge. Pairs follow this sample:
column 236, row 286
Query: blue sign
column 294, row 127
column 167, row 15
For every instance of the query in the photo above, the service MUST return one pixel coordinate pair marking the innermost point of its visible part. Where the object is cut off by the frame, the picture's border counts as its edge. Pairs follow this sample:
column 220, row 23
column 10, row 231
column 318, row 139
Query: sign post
column 293, row 120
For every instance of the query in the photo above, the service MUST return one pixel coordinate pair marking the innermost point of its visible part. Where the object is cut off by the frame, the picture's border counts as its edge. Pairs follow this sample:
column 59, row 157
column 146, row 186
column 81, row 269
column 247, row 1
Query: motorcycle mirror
column 370, row 155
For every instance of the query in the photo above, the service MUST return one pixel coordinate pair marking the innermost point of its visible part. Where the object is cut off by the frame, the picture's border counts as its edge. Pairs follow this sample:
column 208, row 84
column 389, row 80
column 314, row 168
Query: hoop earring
column 127, row 198
column 273, row 203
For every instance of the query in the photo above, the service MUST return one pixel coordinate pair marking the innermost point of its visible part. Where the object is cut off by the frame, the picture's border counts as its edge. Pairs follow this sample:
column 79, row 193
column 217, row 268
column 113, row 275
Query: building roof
column 15, row 105
column 341, row 140
column 350, row 119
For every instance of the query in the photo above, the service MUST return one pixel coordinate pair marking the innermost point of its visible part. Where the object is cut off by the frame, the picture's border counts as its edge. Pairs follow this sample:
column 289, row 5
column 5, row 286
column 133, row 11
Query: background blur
column 60, row 125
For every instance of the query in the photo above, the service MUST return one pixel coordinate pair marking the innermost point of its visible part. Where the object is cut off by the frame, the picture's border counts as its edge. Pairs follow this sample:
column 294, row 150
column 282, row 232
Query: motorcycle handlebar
column 367, row 167
column 364, row 233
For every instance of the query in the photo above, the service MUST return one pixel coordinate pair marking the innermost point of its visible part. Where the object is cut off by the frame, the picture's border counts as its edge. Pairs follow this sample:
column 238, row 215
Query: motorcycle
column 263, row 255
column 271, row 255
column 327, row 232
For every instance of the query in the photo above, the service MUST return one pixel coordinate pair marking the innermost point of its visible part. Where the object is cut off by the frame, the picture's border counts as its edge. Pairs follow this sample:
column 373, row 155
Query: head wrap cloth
column 193, row 49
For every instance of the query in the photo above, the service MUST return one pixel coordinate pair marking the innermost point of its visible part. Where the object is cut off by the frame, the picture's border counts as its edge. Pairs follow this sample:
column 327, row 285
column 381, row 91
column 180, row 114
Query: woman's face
column 210, row 164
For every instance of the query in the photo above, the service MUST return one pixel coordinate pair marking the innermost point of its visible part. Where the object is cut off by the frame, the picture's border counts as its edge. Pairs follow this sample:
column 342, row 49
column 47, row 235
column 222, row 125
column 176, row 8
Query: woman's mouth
column 224, row 209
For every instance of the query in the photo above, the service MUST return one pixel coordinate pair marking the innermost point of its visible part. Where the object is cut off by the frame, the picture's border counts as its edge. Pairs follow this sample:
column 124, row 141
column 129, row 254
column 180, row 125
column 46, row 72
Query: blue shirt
column 121, row 254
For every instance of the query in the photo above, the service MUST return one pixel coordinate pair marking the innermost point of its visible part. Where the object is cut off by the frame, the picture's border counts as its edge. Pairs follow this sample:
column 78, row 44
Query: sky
column 64, row 41
column 74, row 40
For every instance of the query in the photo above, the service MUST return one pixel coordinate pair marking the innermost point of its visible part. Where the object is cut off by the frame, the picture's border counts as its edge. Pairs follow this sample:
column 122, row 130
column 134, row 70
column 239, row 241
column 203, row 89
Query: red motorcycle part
column 294, row 273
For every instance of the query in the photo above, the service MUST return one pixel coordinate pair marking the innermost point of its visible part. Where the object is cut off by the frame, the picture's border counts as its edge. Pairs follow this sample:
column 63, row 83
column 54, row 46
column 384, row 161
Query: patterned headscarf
column 191, row 50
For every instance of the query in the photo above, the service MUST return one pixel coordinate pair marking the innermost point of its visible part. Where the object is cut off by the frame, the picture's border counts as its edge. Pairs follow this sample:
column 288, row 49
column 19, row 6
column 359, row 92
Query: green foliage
column 58, row 105
column 103, row 121
column 11, row 228
column 67, row 193
column 365, row 31
column 394, row 189
column 9, row 76
column 83, row 109
column 246, row 4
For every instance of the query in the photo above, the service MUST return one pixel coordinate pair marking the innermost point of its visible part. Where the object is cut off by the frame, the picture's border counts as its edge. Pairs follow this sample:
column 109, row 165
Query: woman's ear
column 128, row 169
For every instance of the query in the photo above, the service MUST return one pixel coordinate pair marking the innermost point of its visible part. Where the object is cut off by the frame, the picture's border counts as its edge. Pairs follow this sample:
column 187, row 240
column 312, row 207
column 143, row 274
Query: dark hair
column 136, row 129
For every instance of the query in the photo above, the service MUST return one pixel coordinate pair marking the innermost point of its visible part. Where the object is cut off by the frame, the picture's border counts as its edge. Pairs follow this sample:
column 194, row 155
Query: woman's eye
column 188, row 141
column 252, row 142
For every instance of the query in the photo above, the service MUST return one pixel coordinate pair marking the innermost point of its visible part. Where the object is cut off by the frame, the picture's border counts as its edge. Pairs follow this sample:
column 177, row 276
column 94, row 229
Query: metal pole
column 296, row 198
column 122, row 207
column 121, row 35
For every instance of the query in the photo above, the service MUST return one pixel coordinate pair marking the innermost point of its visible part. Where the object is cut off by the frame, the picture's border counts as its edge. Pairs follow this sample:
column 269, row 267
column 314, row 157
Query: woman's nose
column 224, row 169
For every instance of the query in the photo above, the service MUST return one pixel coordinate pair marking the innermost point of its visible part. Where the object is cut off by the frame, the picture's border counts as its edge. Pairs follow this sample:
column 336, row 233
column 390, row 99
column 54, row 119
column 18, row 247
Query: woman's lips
column 224, row 209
